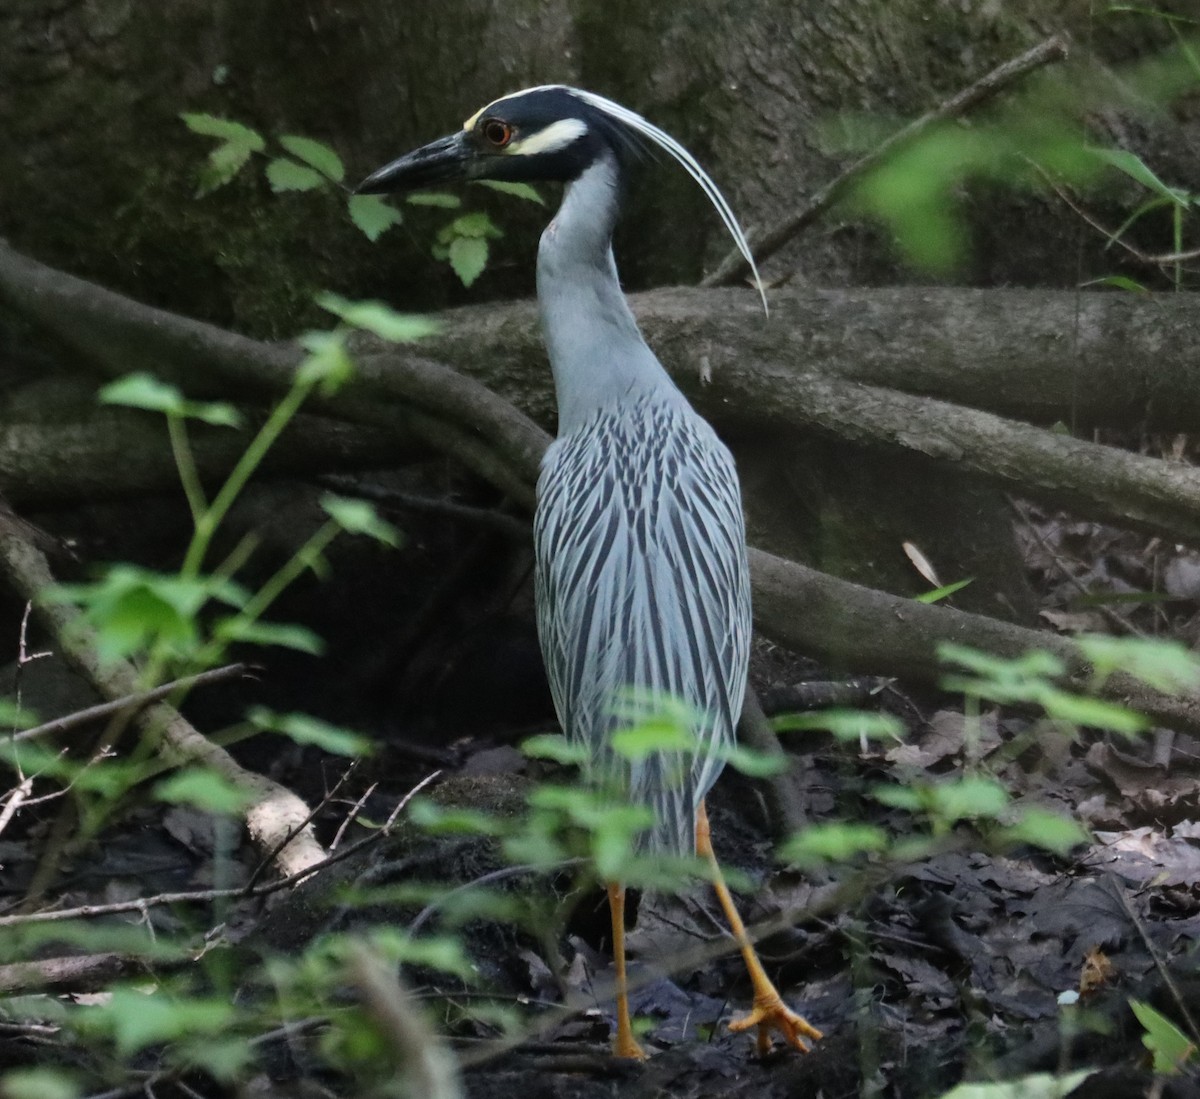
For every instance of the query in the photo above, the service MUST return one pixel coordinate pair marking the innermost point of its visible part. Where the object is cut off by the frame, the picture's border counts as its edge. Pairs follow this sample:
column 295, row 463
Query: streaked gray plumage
column 642, row 581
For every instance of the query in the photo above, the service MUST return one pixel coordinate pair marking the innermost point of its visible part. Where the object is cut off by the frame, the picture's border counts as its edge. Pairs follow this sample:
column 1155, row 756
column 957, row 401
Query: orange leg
column 625, row 1045
column 769, row 1012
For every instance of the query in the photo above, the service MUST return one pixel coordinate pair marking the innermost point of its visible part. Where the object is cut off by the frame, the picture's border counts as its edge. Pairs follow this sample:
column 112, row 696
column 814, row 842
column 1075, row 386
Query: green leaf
column 1172, row 1048
column 433, row 198
column 837, row 842
column 146, row 391
column 613, row 839
column 753, row 763
column 1050, row 831
column 304, row 729
column 1118, row 282
column 1092, row 712
column 444, row 819
column 284, row 635
column 224, row 1059
column 142, row 391
column 942, row 592
column 556, row 747
column 316, row 154
column 133, row 608
column 645, row 740
column 360, row 517
column 136, row 1020
column 517, row 190
column 39, row 1083
column 205, row 789
column 223, row 163
column 372, row 215
column 468, row 257
column 287, row 175
column 434, row 951
column 967, row 799
column 1134, row 167
column 1165, row 665
column 1036, row 663
column 374, row 316
column 844, row 724
column 476, row 225
column 232, row 132
column 1040, row 1085
column 328, row 365
column 900, row 797
column 13, row 716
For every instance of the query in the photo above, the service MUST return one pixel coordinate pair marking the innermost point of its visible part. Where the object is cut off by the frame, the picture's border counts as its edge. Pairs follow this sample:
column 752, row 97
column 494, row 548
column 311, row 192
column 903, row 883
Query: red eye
column 496, row 133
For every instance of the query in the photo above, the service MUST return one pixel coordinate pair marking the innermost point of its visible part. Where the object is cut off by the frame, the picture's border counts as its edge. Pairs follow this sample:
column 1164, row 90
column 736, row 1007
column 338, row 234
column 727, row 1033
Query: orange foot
column 626, row 1046
column 771, row 1013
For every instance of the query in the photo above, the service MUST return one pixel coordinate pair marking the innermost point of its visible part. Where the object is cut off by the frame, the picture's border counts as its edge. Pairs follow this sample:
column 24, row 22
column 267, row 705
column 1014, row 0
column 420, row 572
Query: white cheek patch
column 558, row 135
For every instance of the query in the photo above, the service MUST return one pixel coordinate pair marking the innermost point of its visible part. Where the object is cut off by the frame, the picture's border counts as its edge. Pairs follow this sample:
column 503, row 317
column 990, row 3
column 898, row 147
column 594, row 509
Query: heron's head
column 552, row 133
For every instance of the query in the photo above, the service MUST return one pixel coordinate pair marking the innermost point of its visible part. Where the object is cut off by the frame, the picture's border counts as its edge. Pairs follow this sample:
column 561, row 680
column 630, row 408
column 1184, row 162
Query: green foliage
column 203, row 788
column 439, row 199
column 844, row 724
column 464, row 244
column 304, row 729
column 838, row 842
column 40, row 1083
column 286, row 175
column 135, row 610
column 14, row 717
column 1039, row 1085
column 1164, row 665
column 372, row 215
column 1031, row 139
column 946, row 590
column 316, row 155
column 376, row 317
column 358, row 517
column 134, row 1019
column 148, row 392
column 312, row 166
column 236, row 145
column 1171, row 1048
column 1031, row 679
column 516, row 190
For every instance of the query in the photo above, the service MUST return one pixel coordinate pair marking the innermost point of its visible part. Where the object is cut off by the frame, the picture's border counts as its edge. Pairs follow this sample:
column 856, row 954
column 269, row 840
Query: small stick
column 133, row 701
column 142, row 904
column 734, row 267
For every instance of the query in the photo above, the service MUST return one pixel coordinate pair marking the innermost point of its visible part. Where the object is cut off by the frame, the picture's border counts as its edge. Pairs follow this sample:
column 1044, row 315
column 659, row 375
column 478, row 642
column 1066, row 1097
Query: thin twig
column 762, row 245
column 352, row 816
column 143, row 904
column 14, row 799
column 133, row 701
column 1148, row 259
column 1163, row 972
column 268, row 860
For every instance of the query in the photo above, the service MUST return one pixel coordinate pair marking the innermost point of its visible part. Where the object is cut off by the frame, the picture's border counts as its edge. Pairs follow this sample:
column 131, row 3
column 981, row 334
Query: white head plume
column 690, row 165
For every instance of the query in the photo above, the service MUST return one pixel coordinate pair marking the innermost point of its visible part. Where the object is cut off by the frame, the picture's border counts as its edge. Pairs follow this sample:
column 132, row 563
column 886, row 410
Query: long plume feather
column 690, row 165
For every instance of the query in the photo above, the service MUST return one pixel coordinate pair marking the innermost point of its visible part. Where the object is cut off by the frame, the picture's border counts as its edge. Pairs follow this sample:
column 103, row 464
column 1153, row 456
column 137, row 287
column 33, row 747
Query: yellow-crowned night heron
column 641, row 575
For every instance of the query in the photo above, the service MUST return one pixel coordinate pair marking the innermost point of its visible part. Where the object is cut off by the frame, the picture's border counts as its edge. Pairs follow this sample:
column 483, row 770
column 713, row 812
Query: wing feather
column 643, row 587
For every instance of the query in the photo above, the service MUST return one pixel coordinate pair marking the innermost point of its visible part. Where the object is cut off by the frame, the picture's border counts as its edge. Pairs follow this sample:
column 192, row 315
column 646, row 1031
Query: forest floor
column 962, row 962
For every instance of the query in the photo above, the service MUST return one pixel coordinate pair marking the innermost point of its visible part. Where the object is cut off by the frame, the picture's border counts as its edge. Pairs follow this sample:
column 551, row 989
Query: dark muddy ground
column 921, row 972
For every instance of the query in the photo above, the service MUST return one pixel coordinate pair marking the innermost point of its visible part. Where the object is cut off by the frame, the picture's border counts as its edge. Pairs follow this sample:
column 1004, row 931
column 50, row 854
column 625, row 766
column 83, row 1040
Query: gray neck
column 597, row 354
